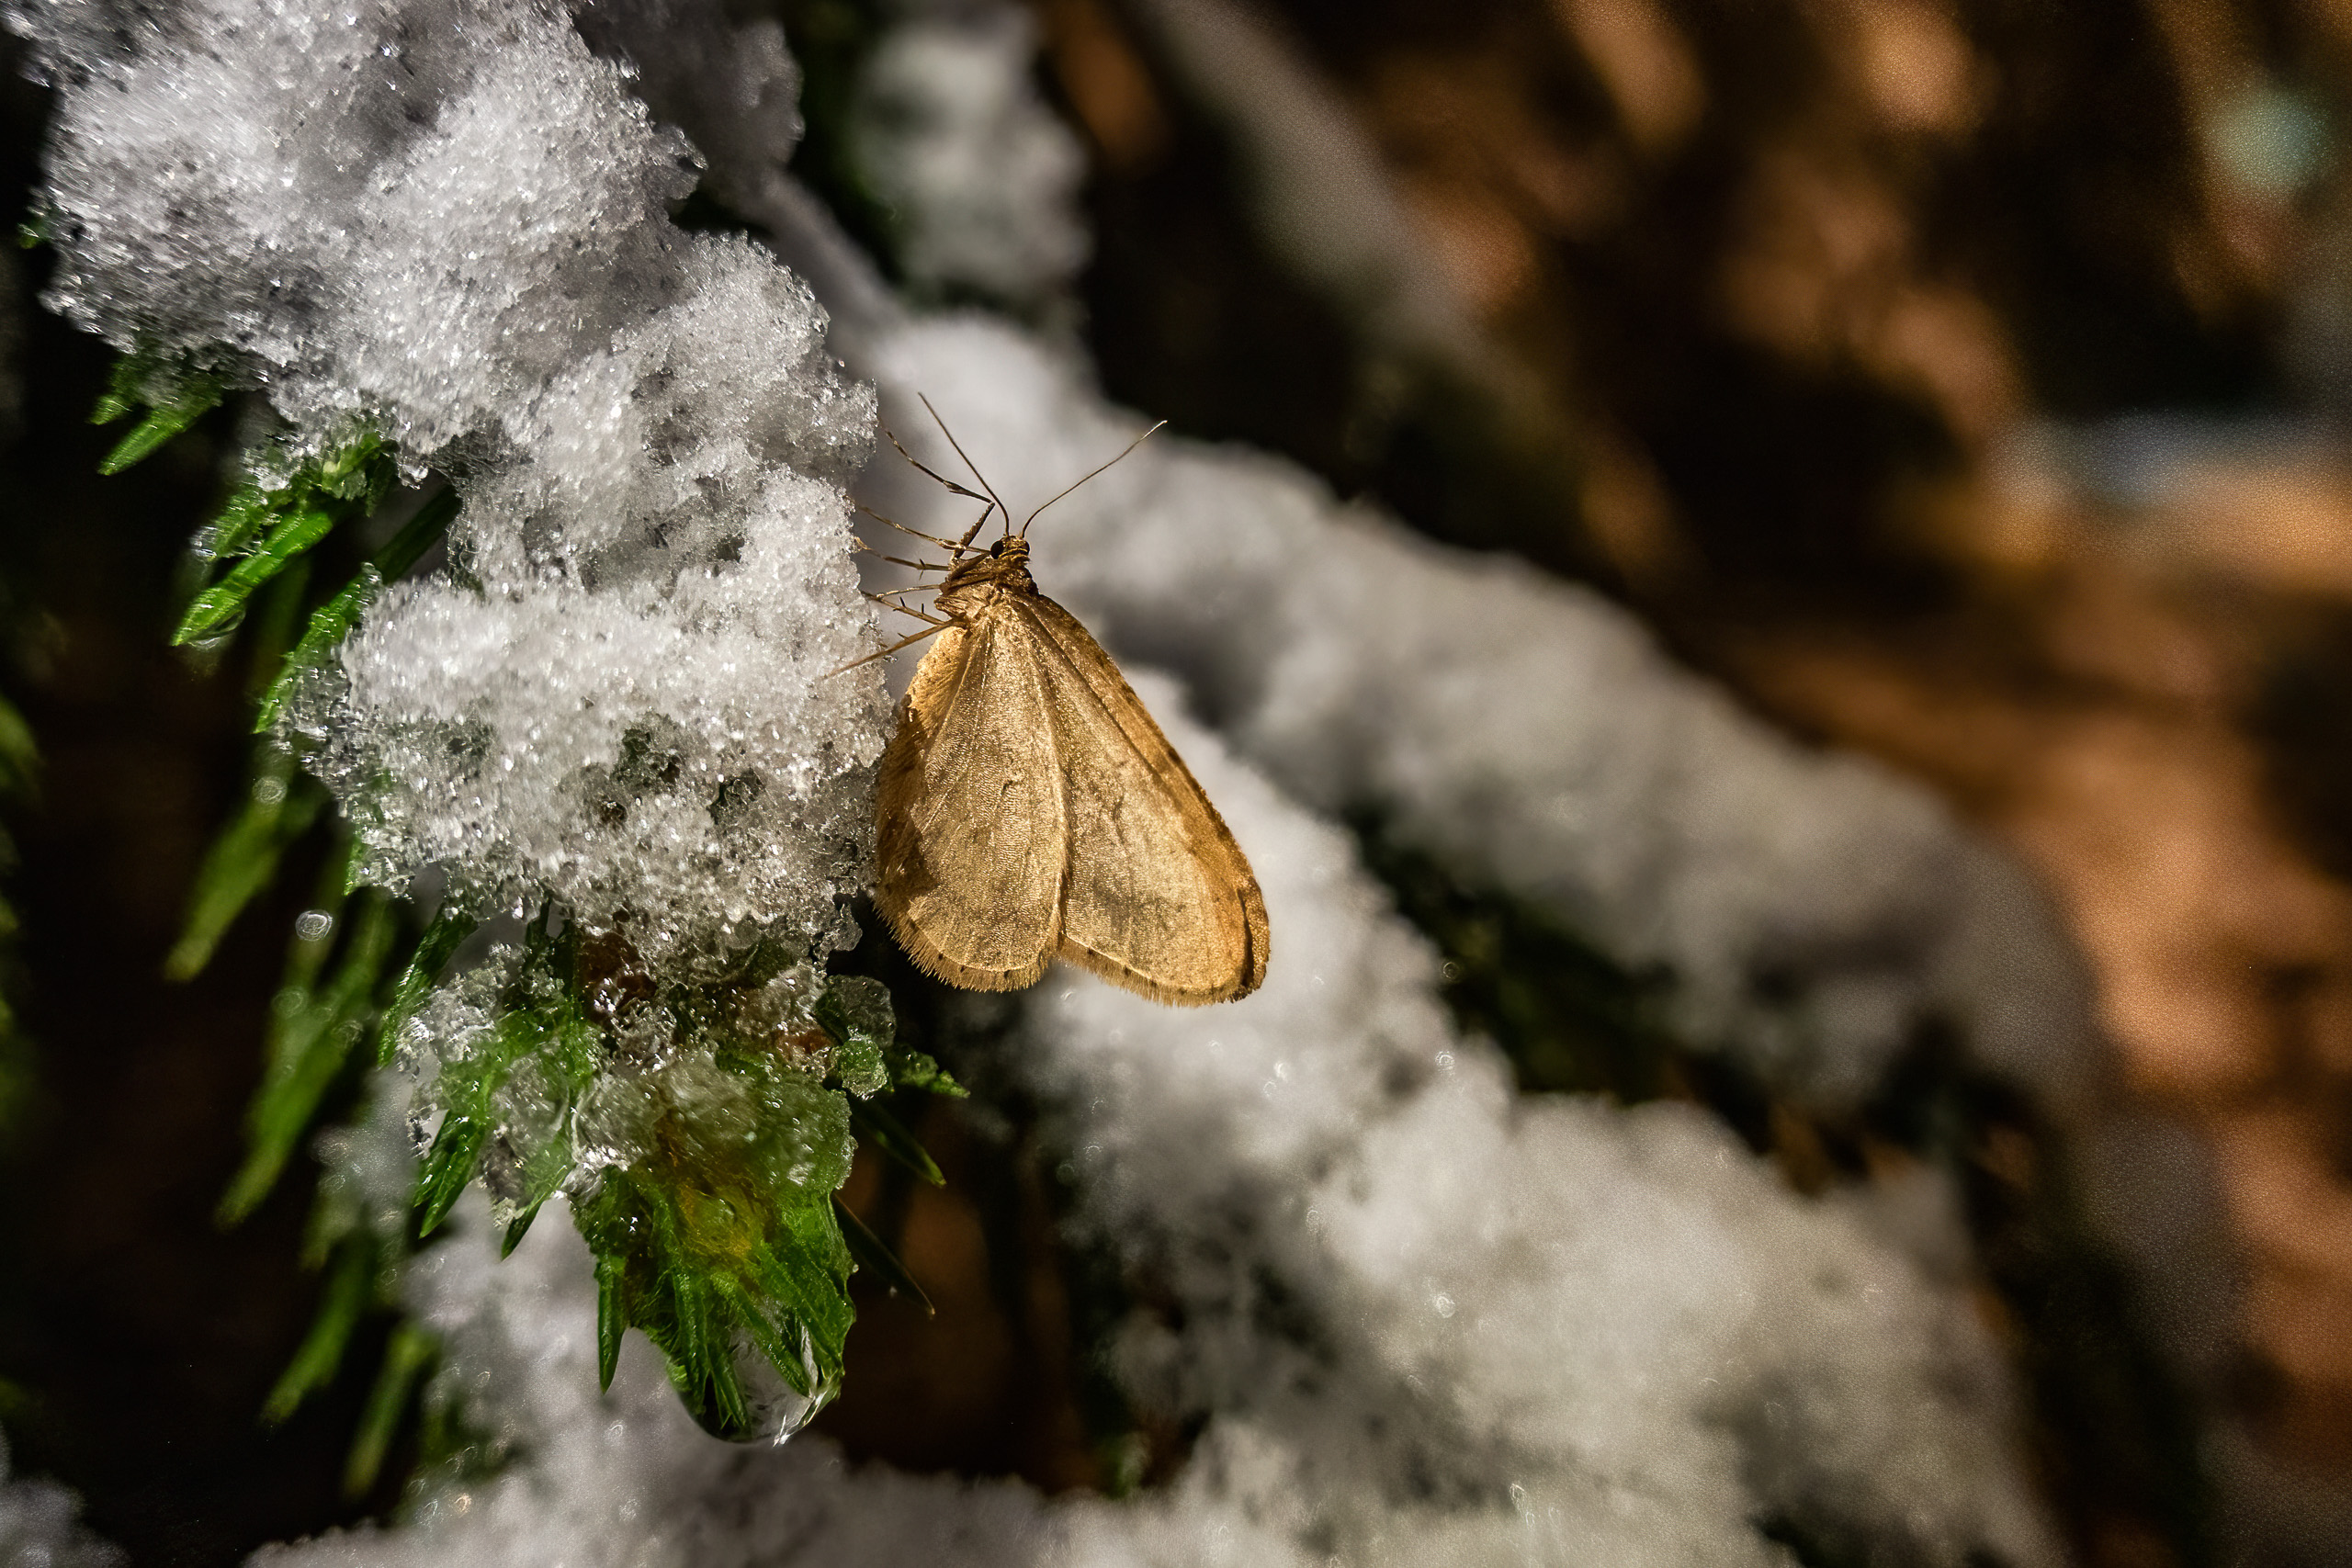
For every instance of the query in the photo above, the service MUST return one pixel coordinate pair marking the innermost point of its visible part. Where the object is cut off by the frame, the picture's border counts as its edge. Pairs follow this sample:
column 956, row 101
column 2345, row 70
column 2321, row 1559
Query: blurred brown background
column 1964, row 383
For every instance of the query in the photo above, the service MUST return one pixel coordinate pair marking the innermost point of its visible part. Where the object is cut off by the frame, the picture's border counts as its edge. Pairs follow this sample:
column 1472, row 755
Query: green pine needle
column 288, row 537
column 137, row 381
column 612, row 1316
column 871, row 1252
column 332, row 621
column 449, row 1165
column 314, row 1030
column 914, row 1069
column 711, row 1246
column 810, row 1273
column 242, row 517
column 191, row 402
column 544, row 1026
column 519, row 1228
column 350, row 1290
column 263, row 529
column 890, row 1134
column 407, row 1354
column 433, row 953
column 279, row 809
column 721, row 1236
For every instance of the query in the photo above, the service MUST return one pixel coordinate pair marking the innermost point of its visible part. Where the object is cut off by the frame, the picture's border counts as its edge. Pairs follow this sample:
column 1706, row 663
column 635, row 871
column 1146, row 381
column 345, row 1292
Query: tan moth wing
column 1156, row 896
column 972, row 843
column 1029, row 808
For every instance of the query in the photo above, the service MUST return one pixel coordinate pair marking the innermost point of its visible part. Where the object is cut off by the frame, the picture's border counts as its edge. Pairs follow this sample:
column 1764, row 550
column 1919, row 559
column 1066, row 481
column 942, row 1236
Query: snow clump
column 1425, row 1320
column 446, row 221
column 40, row 1529
column 979, row 178
column 1812, row 913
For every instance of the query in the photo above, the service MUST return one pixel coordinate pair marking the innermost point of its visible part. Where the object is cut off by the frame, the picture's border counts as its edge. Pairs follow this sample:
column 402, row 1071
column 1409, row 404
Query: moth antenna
column 993, row 498
column 1112, row 463
column 885, row 653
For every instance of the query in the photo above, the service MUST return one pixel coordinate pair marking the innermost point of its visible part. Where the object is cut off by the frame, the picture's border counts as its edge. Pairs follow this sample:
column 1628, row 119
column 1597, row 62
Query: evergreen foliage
column 701, row 1132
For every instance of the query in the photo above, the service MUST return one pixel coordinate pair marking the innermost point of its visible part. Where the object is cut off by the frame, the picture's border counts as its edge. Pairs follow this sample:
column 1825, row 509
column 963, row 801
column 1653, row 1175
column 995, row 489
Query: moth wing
column 1157, row 897
column 972, row 846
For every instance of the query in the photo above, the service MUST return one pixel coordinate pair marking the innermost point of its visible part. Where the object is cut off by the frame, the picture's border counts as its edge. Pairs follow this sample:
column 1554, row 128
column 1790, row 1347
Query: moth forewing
column 1158, row 896
column 970, row 839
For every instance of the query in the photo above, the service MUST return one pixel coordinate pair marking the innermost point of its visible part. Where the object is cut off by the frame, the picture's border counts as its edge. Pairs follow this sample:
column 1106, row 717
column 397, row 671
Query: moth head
column 1012, row 551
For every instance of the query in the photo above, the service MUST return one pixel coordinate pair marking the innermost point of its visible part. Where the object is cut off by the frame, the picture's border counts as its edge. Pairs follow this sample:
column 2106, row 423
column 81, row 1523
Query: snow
column 448, row 222
column 1514, row 1329
column 978, row 175
column 38, row 1526
column 1814, row 911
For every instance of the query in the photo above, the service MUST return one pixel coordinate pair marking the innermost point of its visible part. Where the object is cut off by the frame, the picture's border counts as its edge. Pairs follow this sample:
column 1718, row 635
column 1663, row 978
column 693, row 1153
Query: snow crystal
column 634, row 711
column 1514, row 1330
column 369, row 207
column 727, row 81
column 446, row 220
column 1815, row 911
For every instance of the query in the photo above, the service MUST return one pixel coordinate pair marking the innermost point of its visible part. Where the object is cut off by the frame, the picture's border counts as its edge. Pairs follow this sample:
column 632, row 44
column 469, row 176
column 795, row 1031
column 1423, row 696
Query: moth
column 1028, row 809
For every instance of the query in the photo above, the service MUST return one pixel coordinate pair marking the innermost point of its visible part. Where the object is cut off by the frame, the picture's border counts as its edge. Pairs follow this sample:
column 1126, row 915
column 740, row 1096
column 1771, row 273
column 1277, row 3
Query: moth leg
column 902, row 527
column 885, row 653
column 865, row 549
column 995, row 501
column 986, row 512
column 958, row 546
column 918, row 613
